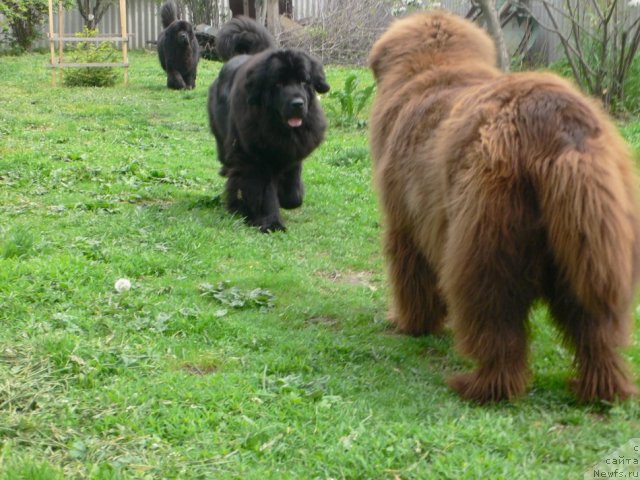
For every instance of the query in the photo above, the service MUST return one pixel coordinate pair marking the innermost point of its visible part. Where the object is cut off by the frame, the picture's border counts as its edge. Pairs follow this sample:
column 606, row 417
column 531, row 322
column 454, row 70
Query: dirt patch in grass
column 360, row 279
column 197, row 369
column 326, row 321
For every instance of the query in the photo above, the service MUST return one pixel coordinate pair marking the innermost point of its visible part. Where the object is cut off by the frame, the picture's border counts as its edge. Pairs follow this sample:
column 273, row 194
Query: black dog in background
column 266, row 119
column 242, row 36
column 178, row 48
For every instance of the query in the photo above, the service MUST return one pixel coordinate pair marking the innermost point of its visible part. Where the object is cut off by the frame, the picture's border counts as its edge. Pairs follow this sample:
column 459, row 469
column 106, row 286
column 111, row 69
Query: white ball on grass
column 122, row 285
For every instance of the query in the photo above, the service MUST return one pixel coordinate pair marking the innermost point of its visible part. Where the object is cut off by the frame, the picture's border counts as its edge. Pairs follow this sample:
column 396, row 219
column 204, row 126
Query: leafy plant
column 234, row 297
column 352, row 101
column 89, row 52
column 631, row 99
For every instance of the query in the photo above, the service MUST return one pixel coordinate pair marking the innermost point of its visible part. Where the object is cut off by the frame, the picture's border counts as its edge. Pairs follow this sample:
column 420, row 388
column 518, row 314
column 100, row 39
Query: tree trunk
column 490, row 14
column 267, row 14
column 92, row 14
column 245, row 8
column 273, row 18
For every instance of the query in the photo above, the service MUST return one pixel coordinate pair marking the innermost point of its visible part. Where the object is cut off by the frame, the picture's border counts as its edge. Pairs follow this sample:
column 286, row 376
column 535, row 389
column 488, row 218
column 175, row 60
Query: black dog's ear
column 318, row 79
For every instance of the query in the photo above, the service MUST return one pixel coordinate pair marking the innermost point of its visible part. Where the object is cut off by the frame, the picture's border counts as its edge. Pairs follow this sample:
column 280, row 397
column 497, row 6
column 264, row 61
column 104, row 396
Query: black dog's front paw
column 290, row 200
column 271, row 226
column 268, row 223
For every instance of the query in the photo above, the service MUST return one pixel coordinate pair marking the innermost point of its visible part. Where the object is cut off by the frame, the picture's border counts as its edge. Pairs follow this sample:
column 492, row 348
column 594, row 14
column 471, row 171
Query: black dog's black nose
column 297, row 103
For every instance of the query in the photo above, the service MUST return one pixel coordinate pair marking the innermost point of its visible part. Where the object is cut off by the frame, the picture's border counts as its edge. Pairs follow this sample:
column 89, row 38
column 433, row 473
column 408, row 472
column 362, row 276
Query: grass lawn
column 235, row 354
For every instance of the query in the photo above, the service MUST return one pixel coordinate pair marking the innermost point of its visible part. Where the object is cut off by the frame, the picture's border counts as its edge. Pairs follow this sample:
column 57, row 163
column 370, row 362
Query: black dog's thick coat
column 266, row 119
column 178, row 49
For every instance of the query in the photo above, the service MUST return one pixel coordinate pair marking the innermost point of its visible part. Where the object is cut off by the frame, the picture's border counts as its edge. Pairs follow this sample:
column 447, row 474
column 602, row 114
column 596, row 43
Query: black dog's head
column 182, row 32
column 286, row 81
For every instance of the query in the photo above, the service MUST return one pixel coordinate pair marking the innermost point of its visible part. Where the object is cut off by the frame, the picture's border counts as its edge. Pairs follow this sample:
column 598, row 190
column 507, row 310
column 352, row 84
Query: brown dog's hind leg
column 595, row 338
column 492, row 330
column 489, row 289
column 418, row 308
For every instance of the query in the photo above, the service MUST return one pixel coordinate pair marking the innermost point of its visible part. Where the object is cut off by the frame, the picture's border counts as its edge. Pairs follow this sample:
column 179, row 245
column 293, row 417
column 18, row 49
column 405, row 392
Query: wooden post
column 59, row 63
column 125, row 39
column 60, row 35
column 52, row 47
column 273, row 18
column 261, row 12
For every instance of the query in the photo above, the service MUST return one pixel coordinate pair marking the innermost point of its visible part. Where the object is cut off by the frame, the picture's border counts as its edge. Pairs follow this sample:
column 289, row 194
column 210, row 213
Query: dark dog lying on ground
column 178, row 49
column 266, row 119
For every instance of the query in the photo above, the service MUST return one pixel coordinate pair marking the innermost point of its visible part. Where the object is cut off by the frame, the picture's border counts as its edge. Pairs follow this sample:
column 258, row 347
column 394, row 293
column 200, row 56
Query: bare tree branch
column 492, row 17
column 597, row 9
column 567, row 46
column 93, row 15
column 575, row 29
column 633, row 49
column 598, row 47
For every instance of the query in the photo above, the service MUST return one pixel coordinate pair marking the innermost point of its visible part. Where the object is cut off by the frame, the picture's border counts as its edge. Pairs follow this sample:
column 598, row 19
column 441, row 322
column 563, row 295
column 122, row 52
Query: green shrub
column 631, row 99
column 629, row 103
column 89, row 52
column 602, row 40
column 352, row 101
column 22, row 20
column 561, row 67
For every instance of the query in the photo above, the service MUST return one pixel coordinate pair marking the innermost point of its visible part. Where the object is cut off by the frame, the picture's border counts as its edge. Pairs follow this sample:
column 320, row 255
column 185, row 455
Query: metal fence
column 143, row 19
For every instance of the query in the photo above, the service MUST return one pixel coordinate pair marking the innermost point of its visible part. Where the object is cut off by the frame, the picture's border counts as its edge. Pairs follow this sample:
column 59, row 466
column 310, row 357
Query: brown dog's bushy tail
column 588, row 206
column 242, row 36
column 589, row 211
column 168, row 13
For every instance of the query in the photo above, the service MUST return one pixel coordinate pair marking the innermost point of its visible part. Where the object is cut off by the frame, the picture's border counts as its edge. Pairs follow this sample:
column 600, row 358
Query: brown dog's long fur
column 498, row 190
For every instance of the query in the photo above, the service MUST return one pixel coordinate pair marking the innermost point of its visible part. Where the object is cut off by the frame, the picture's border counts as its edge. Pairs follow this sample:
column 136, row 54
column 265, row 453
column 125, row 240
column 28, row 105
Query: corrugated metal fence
column 143, row 20
column 307, row 8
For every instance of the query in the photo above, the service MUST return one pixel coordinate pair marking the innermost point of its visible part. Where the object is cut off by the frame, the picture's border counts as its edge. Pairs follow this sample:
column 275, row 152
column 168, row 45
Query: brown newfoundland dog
column 499, row 190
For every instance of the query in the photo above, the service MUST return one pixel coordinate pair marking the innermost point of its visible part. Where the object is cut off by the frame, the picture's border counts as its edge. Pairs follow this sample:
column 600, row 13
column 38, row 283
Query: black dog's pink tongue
column 295, row 122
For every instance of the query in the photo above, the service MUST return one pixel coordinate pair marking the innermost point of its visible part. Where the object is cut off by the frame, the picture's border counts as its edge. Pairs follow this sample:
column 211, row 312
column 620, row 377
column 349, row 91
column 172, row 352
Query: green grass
column 195, row 374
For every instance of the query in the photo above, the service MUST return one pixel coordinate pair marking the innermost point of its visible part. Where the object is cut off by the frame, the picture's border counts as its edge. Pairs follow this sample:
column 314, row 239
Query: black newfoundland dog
column 266, row 119
column 178, row 49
